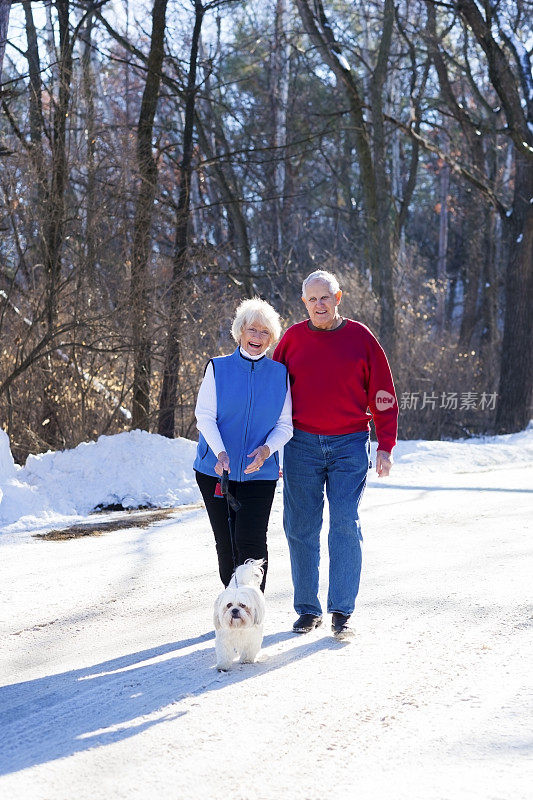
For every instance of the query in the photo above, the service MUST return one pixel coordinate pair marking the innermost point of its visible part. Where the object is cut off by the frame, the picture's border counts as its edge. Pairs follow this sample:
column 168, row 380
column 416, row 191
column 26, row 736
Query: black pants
column 250, row 523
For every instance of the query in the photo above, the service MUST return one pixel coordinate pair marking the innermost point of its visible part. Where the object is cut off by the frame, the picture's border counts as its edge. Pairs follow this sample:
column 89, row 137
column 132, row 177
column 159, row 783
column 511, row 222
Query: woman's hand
column 383, row 463
column 259, row 455
column 222, row 463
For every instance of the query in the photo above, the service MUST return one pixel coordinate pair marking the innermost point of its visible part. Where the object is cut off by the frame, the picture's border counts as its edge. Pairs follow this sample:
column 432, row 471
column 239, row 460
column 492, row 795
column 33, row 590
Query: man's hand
column 259, row 455
column 383, row 463
column 222, row 463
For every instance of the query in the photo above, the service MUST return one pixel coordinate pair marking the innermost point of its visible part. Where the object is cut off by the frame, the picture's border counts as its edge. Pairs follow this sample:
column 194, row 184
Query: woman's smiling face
column 255, row 338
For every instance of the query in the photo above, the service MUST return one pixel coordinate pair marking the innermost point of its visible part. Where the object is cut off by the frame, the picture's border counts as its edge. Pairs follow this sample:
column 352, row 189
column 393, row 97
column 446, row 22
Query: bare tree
column 180, row 265
column 371, row 150
column 140, row 283
column 509, row 72
column 476, row 237
column 215, row 147
column 167, row 400
column 279, row 97
column 54, row 222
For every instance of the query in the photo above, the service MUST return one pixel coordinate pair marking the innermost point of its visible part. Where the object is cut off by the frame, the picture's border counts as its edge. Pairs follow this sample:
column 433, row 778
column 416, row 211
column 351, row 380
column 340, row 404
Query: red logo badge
column 384, row 400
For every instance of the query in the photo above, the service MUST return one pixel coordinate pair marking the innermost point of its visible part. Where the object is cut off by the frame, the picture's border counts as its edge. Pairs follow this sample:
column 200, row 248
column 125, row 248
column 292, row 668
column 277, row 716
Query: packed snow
column 108, row 679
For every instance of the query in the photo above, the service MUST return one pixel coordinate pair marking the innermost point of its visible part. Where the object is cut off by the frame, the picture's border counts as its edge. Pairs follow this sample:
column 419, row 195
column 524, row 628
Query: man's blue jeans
column 340, row 463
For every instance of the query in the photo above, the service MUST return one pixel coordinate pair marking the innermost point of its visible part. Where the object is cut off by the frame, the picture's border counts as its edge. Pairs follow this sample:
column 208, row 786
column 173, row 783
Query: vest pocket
column 202, row 456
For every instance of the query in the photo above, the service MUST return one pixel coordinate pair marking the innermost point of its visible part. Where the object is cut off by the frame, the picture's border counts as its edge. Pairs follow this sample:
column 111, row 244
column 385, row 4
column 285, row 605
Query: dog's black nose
column 235, row 612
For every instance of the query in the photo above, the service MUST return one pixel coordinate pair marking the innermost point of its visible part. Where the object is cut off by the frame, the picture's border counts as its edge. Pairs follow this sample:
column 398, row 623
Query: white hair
column 256, row 310
column 326, row 277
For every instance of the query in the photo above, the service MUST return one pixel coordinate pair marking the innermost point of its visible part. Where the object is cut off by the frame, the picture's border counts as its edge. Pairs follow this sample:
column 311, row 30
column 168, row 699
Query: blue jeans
column 340, row 463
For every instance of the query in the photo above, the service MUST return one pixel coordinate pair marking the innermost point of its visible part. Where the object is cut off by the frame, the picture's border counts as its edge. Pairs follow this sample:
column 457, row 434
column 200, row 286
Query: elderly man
column 338, row 373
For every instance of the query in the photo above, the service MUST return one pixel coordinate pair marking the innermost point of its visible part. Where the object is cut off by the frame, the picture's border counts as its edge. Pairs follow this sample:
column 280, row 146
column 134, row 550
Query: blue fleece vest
column 250, row 397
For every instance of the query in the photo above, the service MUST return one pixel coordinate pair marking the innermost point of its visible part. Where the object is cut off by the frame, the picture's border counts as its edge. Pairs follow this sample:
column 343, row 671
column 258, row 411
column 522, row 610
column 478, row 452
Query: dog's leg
column 225, row 650
column 252, row 645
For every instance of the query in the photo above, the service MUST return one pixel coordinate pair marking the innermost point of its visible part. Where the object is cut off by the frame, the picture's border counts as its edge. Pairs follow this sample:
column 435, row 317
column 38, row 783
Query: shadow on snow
column 59, row 715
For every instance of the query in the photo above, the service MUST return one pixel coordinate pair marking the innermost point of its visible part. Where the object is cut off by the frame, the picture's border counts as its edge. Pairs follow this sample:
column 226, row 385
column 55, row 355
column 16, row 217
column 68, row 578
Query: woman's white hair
column 322, row 275
column 256, row 310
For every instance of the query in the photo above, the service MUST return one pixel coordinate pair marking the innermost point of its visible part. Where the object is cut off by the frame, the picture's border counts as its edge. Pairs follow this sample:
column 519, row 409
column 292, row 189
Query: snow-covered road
column 107, row 666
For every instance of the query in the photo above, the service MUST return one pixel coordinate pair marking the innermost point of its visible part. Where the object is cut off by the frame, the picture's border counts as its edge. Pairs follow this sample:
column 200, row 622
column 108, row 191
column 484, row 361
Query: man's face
column 321, row 304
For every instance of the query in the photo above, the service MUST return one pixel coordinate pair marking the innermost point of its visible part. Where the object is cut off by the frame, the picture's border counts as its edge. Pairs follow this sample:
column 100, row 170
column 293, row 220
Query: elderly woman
column 244, row 415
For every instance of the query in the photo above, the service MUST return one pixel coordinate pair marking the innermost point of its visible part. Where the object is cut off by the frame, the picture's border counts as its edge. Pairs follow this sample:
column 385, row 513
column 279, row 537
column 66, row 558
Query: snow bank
column 17, row 498
column 465, row 455
column 7, row 464
column 132, row 469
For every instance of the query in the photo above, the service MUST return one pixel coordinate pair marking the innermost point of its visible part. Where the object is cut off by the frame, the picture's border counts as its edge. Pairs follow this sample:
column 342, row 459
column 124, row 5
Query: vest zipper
column 243, row 464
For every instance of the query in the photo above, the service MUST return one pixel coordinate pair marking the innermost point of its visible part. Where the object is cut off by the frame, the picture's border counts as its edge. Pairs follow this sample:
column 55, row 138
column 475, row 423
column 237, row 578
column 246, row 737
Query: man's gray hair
column 256, row 310
column 322, row 275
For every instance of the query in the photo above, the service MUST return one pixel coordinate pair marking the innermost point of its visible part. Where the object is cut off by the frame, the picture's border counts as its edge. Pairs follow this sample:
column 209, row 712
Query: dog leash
column 234, row 504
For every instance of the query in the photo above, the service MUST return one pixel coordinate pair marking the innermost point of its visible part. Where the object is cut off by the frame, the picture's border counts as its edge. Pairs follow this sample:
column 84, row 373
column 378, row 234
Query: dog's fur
column 238, row 616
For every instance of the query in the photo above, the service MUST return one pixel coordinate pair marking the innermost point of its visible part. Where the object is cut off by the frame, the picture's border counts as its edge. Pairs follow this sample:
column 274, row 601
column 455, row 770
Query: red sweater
column 336, row 377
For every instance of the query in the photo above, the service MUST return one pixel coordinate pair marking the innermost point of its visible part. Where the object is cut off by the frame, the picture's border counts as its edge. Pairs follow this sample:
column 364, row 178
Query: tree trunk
column 475, row 257
column 280, row 68
column 144, row 204
column 34, row 71
column 167, row 400
column 54, row 228
column 491, row 336
column 90, row 140
column 5, row 8
column 54, row 221
column 514, row 394
column 443, row 246
column 39, row 187
column 382, row 234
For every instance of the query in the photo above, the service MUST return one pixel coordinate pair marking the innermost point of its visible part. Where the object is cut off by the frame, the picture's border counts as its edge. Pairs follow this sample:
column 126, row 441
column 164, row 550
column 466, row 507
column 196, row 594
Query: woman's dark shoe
column 306, row 623
column 340, row 628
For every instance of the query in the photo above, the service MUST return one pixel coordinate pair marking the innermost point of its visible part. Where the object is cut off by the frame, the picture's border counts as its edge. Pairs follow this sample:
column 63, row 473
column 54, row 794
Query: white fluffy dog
column 238, row 615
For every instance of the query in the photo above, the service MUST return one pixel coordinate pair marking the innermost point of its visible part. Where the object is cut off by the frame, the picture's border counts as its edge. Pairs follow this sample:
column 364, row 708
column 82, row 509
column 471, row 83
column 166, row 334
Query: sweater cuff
column 386, row 445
